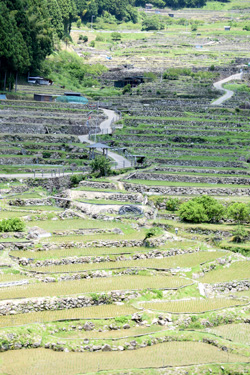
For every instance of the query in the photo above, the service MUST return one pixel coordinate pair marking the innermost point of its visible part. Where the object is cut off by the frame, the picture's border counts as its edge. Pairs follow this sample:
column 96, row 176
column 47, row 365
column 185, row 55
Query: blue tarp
column 3, row 97
column 72, row 99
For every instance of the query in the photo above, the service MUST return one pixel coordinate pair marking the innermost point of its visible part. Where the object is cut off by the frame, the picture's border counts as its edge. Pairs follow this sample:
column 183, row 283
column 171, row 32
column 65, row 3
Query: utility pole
column 92, row 22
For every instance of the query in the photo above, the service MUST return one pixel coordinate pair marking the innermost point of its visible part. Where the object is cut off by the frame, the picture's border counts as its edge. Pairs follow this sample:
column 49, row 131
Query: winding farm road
column 105, row 126
column 228, row 93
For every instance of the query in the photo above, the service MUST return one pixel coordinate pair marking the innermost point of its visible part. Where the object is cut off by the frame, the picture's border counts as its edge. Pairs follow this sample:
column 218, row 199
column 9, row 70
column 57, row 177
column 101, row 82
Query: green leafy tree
column 201, row 209
column 152, row 23
column 239, row 212
column 116, row 36
column 101, row 165
column 214, row 209
column 193, row 212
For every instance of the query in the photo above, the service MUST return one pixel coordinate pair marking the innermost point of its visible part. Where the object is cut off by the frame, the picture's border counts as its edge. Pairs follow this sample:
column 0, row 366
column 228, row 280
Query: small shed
column 98, row 146
column 43, row 97
column 72, row 94
column 148, row 6
column 171, row 15
column 227, row 28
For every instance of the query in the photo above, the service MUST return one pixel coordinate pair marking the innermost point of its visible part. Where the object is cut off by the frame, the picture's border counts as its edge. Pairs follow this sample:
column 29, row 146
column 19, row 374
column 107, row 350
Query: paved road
column 228, row 93
column 105, row 126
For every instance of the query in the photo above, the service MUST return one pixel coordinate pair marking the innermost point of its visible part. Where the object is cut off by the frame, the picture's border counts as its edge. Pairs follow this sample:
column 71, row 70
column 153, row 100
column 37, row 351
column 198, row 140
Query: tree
column 201, row 209
column 152, row 23
column 101, row 165
column 193, row 212
column 214, row 209
column 239, row 212
column 116, row 36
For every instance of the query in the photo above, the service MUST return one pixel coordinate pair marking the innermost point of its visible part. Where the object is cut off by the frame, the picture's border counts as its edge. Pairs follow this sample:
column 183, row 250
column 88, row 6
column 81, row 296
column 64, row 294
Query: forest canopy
column 29, row 29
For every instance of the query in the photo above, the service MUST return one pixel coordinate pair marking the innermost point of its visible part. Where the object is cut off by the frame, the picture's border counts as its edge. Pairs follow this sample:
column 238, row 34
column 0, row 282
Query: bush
column 92, row 43
column 193, row 212
column 173, row 204
column 126, row 89
column 46, row 154
column 116, row 36
column 246, row 28
column 84, row 38
column 152, row 23
column 75, row 179
column 101, row 165
column 239, row 235
column 150, row 233
column 201, row 209
column 12, row 225
column 239, row 212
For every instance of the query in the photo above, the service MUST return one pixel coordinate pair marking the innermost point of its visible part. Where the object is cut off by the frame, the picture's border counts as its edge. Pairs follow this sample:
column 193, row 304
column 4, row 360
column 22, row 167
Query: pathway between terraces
column 105, row 125
column 121, row 162
column 228, row 93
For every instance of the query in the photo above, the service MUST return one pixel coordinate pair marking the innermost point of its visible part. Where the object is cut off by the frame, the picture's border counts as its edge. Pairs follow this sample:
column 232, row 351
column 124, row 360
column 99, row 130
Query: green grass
column 183, row 261
column 237, row 271
column 236, row 332
column 92, row 312
column 32, row 361
column 93, row 285
column 192, row 306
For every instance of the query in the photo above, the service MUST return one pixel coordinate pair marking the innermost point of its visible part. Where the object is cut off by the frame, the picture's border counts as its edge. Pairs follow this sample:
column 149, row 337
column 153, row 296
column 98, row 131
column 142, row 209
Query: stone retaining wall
column 187, row 190
column 190, row 179
column 27, row 305
column 92, row 260
column 98, row 185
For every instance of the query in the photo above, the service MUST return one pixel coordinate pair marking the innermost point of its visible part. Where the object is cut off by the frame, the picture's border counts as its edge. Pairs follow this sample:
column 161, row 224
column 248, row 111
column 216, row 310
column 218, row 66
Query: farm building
column 148, row 6
column 227, row 28
column 43, row 97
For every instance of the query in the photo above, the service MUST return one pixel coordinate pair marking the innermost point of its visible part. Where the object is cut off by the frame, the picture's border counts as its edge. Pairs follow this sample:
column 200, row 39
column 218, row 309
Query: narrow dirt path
column 228, row 93
column 105, row 126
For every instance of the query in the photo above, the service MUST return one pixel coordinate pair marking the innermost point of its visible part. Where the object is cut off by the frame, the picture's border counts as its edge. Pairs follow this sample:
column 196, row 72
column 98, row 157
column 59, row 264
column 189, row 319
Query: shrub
column 201, row 209
column 46, row 154
column 116, row 36
column 173, row 204
column 152, row 23
column 75, row 179
column 150, row 233
column 126, row 89
column 92, row 43
column 101, row 165
column 84, row 38
column 193, row 212
column 12, row 225
column 239, row 212
column 246, row 28
column 239, row 235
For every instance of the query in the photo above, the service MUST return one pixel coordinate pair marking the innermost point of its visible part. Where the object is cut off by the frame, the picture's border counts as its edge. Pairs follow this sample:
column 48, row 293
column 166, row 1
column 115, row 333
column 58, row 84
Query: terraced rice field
column 192, row 306
column 172, row 354
column 163, row 312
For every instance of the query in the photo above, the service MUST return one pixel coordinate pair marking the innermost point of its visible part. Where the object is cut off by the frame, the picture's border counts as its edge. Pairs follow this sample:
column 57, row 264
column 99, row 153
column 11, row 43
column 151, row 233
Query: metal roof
column 98, row 145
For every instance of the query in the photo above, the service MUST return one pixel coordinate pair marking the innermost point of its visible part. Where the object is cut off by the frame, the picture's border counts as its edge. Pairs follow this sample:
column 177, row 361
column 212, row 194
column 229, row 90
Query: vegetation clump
column 201, row 209
column 12, row 225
